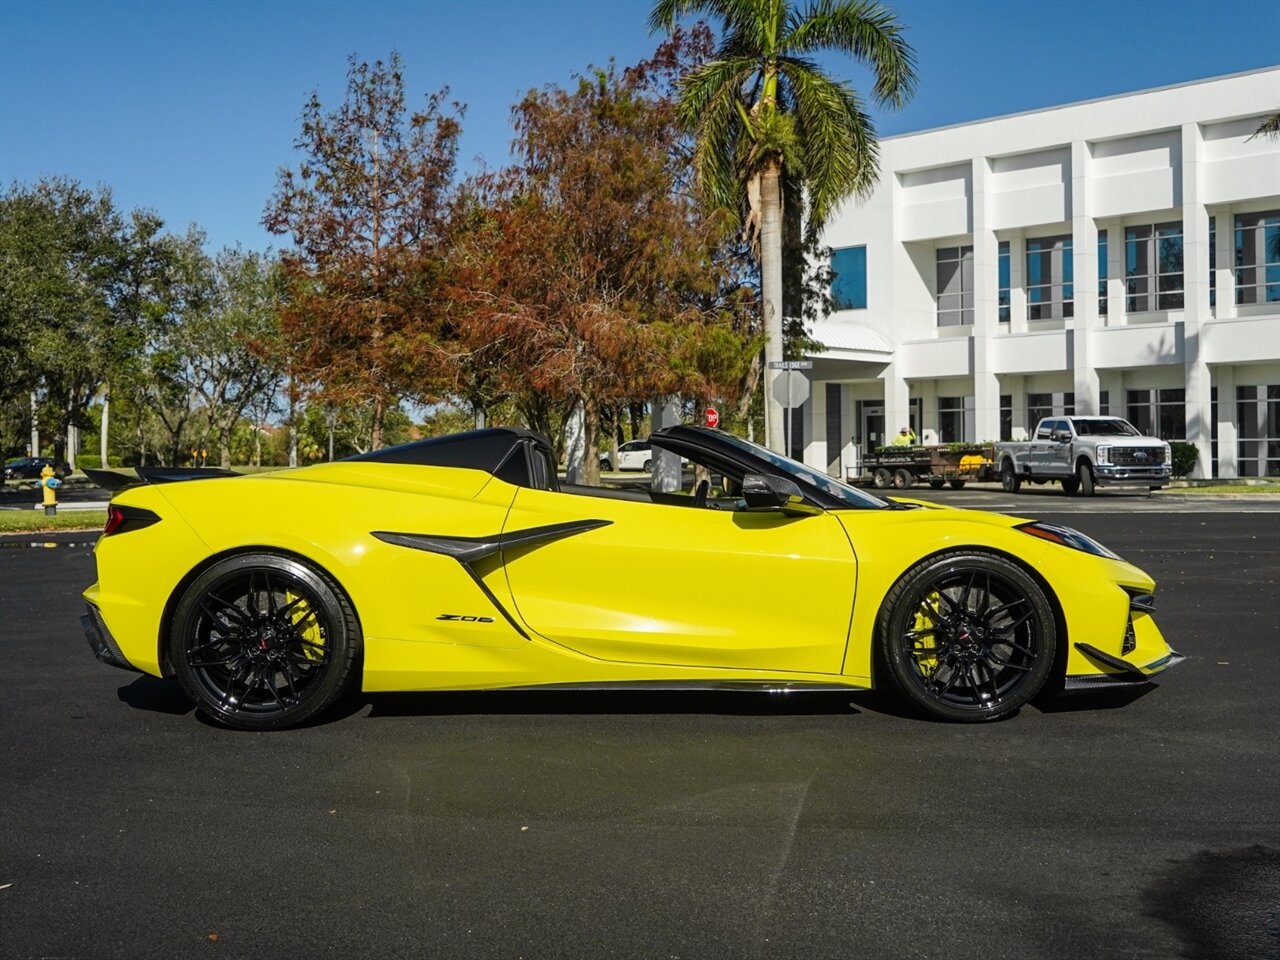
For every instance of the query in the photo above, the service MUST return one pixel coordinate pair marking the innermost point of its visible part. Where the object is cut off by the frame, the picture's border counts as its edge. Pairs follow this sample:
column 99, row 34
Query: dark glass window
column 956, row 422
column 955, row 286
column 1004, row 281
column 1102, row 273
column 1258, row 257
column 849, row 278
column 1153, row 267
column 1050, row 291
column 1158, row 413
column 1006, row 416
column 1258, row 420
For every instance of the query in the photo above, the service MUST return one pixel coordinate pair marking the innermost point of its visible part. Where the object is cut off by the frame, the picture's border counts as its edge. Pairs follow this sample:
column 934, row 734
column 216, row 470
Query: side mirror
column 1062, row 436
column 776, row 493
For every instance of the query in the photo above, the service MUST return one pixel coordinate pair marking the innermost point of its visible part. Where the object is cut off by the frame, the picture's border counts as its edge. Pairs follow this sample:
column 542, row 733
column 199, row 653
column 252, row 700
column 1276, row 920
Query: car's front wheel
column 262, row 641
column 967, row 636
column 1009, row 478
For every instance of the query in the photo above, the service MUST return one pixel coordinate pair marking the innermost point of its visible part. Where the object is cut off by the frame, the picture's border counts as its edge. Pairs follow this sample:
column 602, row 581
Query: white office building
column 1115, row 256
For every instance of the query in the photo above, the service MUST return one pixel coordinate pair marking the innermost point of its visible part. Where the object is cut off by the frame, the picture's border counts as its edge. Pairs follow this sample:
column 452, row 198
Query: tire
column 648, row 466
column 957, row 484
column 1009, row 478
column 237, row 624
column 903, row 479
column 604, row 463
column 1084, row 477
column 882, row 479
column 1070, row 485
column 937, row 483
column 967, row 636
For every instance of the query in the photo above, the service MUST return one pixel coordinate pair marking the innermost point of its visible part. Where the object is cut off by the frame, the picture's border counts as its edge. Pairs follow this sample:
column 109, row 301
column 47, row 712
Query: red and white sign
column 713, row 417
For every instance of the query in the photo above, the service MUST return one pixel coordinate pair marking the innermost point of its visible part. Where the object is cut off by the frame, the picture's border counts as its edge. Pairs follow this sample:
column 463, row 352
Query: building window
column 955, row 286
column 849, row 278
column 1153, row 267
column 1258, row 416
column 1004, row 281
column 1050, row 293
column 1102, row 273
column 956, row 422
column 1041, row 405
column 1258, row 257
column 1006, row 417
column 1104, row 403
column 1213, row 267
column 1158, row 413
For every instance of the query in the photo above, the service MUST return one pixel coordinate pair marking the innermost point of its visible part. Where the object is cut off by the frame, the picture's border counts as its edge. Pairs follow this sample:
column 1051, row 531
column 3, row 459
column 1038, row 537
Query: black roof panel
column 474, row 450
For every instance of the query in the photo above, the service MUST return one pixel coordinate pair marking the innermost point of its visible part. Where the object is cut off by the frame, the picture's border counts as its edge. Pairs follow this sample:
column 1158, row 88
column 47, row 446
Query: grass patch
column 33, row 521
column 1262, row 488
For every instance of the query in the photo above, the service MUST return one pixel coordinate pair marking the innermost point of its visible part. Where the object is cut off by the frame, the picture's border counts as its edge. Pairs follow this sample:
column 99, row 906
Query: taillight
column 123, row 519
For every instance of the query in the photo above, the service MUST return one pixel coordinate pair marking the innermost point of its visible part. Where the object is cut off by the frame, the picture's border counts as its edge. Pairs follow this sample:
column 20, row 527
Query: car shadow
column 509, row 702
column 1112, row 699
column 155, row 695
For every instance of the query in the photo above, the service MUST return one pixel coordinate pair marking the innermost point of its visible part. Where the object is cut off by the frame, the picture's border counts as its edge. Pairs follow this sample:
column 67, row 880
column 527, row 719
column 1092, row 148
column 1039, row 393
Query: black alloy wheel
column 967, row 636
column 1009, row 478
column 1084, row 477
column 263, row 642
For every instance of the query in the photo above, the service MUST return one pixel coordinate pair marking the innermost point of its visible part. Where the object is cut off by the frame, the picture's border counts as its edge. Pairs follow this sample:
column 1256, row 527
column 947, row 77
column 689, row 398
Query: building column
column 1017, row 387
column 1018, row 282
column 1224, row 271
column 848, row 428
column 1084, row 258
column 1195, row 283
column 815, row 446
column 1115, row 275
column 1224, row 378
column 1112, row 381
column 986, row 304
column 897, row 399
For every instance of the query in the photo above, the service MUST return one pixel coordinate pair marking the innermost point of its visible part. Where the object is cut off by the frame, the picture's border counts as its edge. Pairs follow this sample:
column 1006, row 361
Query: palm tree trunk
column 771, row 296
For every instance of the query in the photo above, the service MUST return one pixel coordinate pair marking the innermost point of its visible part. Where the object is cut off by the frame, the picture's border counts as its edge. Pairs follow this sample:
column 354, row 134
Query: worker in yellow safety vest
column 905, row 438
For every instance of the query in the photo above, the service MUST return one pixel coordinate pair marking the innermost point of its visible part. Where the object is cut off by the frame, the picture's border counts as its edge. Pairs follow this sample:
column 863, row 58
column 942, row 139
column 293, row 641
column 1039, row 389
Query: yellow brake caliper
column 313, row 647
column 928, row 641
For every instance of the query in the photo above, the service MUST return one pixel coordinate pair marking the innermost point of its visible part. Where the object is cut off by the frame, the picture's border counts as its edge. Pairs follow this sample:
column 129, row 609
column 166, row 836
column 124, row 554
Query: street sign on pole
column 790, row 364
column 790, row 388
column 713, row 417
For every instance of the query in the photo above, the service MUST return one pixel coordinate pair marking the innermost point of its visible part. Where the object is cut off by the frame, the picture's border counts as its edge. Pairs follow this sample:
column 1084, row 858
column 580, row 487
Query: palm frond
column 840, row 151
column 1270, row 127
column 736, row 14
column 865, row 30
column 701, row 86
column 718, row 133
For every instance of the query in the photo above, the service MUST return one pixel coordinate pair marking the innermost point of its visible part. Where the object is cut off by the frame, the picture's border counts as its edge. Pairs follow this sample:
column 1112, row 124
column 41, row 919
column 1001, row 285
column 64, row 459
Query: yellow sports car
column 462, row 562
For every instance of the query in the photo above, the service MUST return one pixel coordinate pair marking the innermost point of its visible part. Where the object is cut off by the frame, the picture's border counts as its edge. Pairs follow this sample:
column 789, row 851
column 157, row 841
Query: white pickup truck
column 1082, row 453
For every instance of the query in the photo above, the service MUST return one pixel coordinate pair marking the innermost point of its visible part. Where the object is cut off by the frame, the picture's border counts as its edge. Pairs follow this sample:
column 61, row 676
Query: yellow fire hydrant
column 49, row 485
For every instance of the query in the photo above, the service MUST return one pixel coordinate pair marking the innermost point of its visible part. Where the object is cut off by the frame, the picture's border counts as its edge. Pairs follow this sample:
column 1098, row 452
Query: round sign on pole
column 713, row 417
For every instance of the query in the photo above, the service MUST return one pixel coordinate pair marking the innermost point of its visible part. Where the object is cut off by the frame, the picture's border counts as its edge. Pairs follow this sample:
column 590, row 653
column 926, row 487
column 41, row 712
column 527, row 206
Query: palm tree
column 767, row 119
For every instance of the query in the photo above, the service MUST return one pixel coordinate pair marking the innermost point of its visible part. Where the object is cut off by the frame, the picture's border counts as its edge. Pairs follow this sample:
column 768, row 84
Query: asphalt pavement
column 657, row 825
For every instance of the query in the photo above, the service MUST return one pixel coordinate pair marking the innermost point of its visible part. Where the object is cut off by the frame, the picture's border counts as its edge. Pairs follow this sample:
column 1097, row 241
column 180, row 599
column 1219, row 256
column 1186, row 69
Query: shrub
column 1183, row 457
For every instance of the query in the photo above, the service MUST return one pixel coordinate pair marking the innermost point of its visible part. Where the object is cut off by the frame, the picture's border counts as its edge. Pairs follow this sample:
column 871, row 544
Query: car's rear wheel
column 882, row 479
column 648, row 466
column 1009, row 478
column 262, row 641
column 937, row 483
column 957, row 484
column 967, row 636
column 903, row 478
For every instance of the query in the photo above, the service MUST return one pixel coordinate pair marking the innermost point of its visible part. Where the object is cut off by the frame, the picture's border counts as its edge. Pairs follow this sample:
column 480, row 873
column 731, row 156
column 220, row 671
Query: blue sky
column 189, row 108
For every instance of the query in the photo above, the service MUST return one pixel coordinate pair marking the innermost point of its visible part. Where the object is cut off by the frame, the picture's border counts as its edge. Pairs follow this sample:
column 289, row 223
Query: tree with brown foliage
column 588, row 271
column 366, row 210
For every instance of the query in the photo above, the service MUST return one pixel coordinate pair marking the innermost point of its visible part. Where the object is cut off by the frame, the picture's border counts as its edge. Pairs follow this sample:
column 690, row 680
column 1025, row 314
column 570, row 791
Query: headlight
column 1066, row 537
column 1104, row 453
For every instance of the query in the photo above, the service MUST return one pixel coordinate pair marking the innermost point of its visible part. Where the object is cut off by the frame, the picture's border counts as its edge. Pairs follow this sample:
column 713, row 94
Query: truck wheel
column 902, row 478
column 937, row 483
column 882, row 479
column 1084, row 475
column 1009, row 478
column 957, row 484
column 1070, row 485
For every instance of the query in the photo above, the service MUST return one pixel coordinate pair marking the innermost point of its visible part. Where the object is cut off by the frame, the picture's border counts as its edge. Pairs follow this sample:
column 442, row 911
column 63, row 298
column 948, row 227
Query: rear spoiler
column 110, row 480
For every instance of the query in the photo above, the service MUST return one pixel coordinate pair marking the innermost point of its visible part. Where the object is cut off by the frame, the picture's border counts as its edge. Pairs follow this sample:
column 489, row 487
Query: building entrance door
column 872, row 428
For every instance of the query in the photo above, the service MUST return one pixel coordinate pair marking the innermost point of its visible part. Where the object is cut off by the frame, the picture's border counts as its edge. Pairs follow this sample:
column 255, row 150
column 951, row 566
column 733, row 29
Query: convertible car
column 462, row 562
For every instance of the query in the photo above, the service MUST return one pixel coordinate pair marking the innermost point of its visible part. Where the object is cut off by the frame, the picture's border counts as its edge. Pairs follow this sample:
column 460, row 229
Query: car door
column 1060, row 452
column 683, row 585
column 1041, row 446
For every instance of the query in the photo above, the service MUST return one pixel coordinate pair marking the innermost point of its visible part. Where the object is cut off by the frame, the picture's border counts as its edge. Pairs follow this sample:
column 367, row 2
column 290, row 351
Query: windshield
column 1105, row 427
column 849, row 496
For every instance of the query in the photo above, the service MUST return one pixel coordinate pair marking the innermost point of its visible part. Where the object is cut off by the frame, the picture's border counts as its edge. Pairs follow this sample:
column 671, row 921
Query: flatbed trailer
column 936, row 465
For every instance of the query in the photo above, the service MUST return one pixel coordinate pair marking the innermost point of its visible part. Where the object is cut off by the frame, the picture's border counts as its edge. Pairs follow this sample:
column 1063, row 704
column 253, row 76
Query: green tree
column 767, row 118
column 365, row 210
